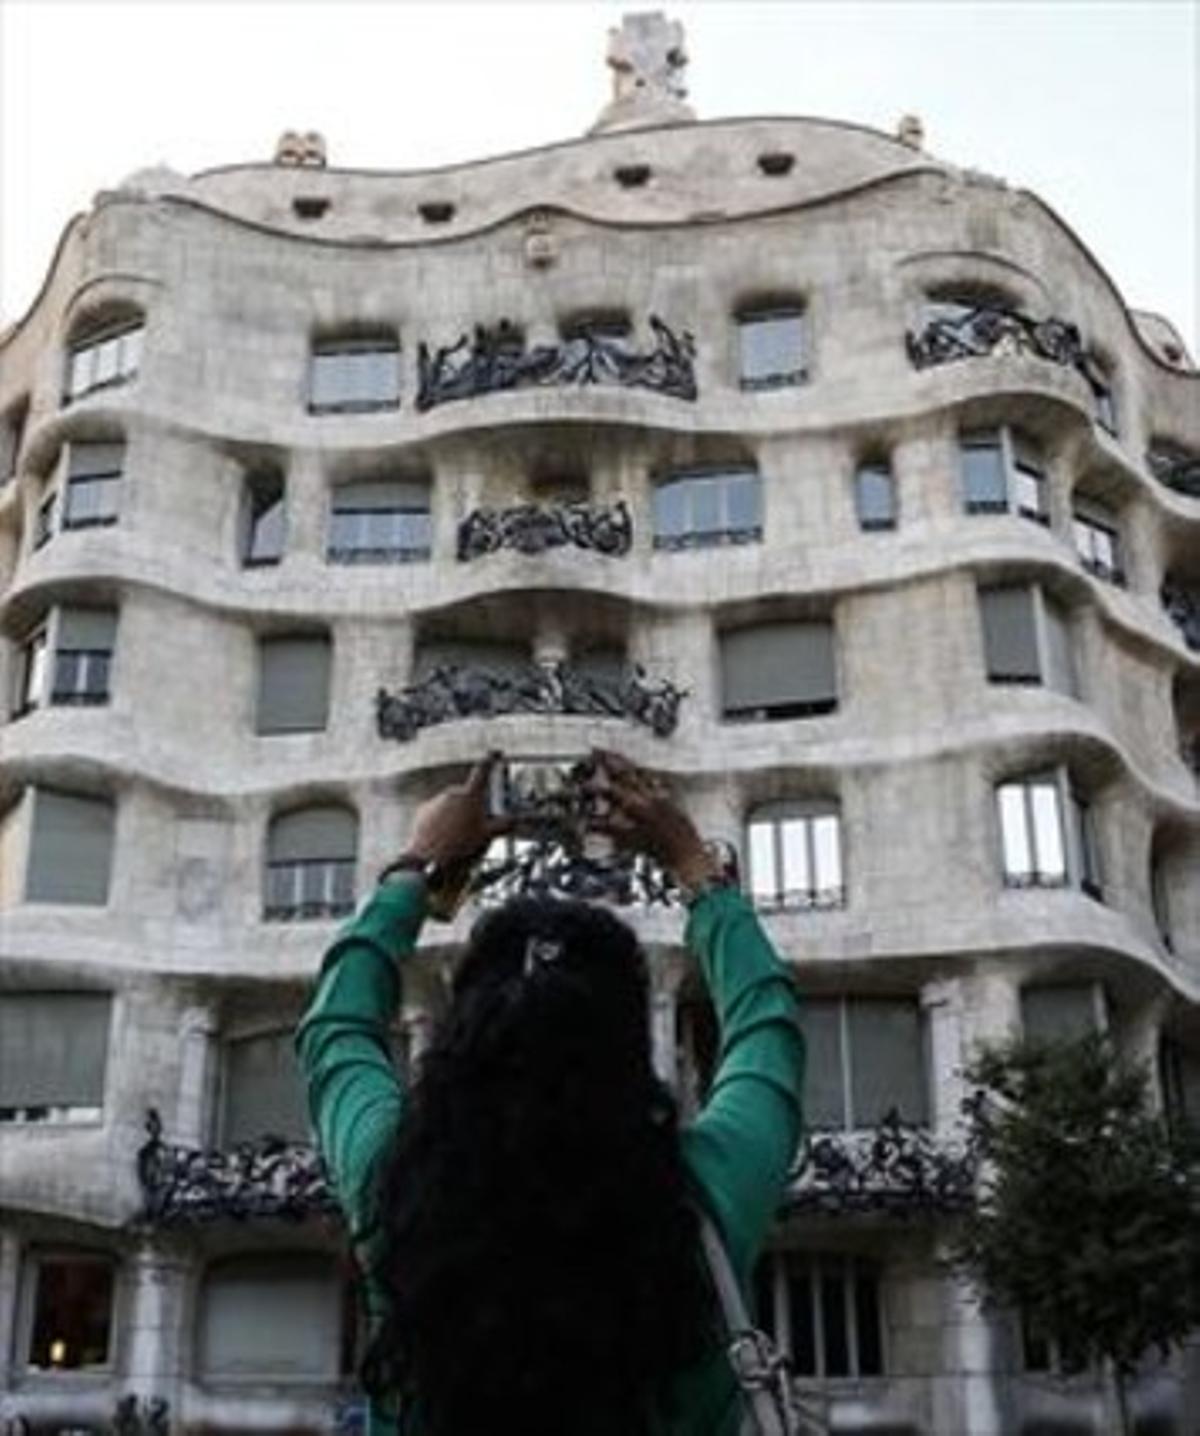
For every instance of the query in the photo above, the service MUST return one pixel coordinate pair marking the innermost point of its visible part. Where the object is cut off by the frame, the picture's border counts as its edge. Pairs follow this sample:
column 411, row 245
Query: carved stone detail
column 1176, row 467
column 452, row 691
column 148, row 1416
column 532, row 530
column 647, row 59
column 493, row 359
column 303, row 151
column 1182, row 607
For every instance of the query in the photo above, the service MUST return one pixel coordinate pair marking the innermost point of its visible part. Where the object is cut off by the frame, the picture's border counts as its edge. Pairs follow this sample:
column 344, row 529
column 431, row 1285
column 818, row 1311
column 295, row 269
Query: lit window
column 778, row 670
column 103, row 358
column 1039, row 848
column 824, row 1310
column 1026, row 637
column 875, row 496
column 29, row 691
column 795, row 856
column 72, row 1311
column 772, row 348
column 93, row 485
column 53, row 1056
column 312, row 854
column 264, row 520
column 354, row 375
column 293, row 684
column 379, row 522
column 1097, row 541
column 83, row 651
column 707, row 508
column 1002, row 472
column 866, row 1058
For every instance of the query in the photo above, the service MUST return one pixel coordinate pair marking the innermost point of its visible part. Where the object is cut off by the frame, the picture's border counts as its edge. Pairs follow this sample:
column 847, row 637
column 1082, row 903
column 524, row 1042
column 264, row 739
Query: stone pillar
column 307, row 506
column 153, row 1336
column 1140, row 1040
column 10, row 1275
column 198, row 1028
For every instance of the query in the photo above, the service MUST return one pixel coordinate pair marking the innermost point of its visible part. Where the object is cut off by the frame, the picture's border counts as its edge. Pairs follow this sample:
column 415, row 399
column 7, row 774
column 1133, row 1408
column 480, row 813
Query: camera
column 546, row 796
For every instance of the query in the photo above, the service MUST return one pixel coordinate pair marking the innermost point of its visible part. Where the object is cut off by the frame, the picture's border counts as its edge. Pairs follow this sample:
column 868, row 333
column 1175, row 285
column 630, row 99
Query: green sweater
column 738, row 1149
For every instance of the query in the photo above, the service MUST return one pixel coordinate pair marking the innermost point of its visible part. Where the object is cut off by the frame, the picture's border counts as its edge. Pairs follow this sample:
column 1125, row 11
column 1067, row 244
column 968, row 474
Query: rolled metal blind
column 271, row 1317
column 264, row 1095
column 886, row 1059
column 53, row 1048
column 1060, row 663
column 70, row 851
column 387, row 494
column 94, row 460
column 87, row 628
column 293, row 695
column 1010, row 633
column 824, row 1094
column 777, row 664
column 1059, row 1014
column 313, row 834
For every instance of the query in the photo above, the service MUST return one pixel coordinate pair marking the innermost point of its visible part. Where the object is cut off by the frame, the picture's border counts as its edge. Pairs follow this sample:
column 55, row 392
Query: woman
column 526, row 1214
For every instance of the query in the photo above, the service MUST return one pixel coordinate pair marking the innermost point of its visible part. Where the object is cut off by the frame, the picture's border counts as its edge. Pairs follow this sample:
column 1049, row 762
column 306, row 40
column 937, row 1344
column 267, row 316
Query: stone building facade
column 862, row 452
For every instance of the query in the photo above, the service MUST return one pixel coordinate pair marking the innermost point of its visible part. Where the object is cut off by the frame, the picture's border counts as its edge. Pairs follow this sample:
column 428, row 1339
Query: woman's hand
column 645, row 817
column 454, row 827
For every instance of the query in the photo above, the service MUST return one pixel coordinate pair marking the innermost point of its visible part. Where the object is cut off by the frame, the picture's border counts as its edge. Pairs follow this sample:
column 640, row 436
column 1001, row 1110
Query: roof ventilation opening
column 776, row 162
column 310, row 206
column 631, row 176
column 436, row 211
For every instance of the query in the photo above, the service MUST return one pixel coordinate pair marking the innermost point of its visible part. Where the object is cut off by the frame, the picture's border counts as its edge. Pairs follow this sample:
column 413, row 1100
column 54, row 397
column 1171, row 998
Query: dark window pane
column 265, row 520
column 866, row 1312
column 833, row 1320
column 800, row 1311
column 71, row 1314
column 983, row 475
column 764, row 1293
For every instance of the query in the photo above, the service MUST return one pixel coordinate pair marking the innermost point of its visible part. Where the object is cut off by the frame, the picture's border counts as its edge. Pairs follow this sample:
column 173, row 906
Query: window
column 270, row 1318
column 93, row 485
column 103, row 357
column 12, row 433
column 771, row 342
column 795, row 856
column 72, row 1300
column 354, row 375
column 1003, row 471
column 824, row 1310
column 83, row 655
column 43, row 523
column 1104, row 405
column 384, row 521
column 1043, row 1353
column 955, row 303
column 778, row 670
column 311, row 857
column 264, row 520
column 53, row 1056
column 29, row 691
column 875, row 497
column 1064, row 1013
column 1039, row 849
column 293, row 684
column 708, row 507
column 866, row 1057
column 263, row 1095
column 1180, row 1074
column 70, row 848
column 1097, row 541
column 1026, row 637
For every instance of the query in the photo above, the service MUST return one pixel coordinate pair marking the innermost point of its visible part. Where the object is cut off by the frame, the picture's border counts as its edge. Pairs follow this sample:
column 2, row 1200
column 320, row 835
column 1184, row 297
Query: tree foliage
column 1088, row 1213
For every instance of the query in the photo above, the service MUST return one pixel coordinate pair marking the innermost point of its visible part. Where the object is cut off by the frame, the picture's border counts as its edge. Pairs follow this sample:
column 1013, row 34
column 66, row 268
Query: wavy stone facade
column 232, row 277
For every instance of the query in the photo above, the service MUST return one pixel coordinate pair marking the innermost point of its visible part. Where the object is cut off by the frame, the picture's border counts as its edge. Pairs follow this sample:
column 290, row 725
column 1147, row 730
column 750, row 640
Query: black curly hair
column 541, row 1255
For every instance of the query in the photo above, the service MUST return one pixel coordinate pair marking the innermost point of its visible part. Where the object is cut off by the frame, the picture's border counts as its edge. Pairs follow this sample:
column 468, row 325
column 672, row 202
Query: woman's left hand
column 455, row 827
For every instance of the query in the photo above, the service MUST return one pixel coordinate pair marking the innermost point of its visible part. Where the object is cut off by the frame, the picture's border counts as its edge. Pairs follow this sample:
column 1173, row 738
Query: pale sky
column 1090, row 103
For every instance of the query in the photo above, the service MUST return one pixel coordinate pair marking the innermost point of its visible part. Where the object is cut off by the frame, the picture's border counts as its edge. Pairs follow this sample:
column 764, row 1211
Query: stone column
column 198, row 1028
column 10, row 1274
column 153, row 1336
column 1140, row 1039
column 307, row 504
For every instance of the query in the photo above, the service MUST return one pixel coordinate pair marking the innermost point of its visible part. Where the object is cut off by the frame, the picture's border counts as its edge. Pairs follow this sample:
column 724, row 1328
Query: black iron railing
column 529, row 529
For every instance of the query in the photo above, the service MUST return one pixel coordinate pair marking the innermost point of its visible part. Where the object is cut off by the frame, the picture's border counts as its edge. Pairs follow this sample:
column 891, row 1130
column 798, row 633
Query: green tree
column 1088, row 1210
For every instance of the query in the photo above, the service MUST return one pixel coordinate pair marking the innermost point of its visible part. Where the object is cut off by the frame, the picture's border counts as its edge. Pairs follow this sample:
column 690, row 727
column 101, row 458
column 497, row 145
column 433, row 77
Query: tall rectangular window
column 1026, row 637
column 985, row 485
column 83, row 655
column 1063, row 1013
column 1048, row 834
column 825, row 1311
column 29, row 690
column 311, row 860
column 72, row 1311
column 381, row 521
column 1028, row 479
column 104, row 357
column 274, row 1318
column 795, row 856
column 772, row 348
column 93, row 492
column 875, row 497
column 778, row 670
column 354, row 375
column 1097, row 540
column 705, row 508
column 43, row 522
column 70, row 848
column 53, row 1055
column 1003, row 471
column 263, row 1094
column 866, row 1057
column 293, row 684
column 264, row 520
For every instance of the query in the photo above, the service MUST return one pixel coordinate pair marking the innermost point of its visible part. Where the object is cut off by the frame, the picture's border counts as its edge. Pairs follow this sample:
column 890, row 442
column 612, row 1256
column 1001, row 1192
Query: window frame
column 808, row 813
column 37, row 1258
column 108, row 480
column 1043, row 607
column 789, row 1270
column 794, row 378
column 32, row 669
column 1085, row 528
column 1021, row 457
column 339, row 346
column 332, row 871
column 1077, row 838
column 692, row 482
column 64, row 1114
column 845, row 1002
column 367, row 554
column 789, row 710
column 92, row 342
column 253, row 484
column 877, row 468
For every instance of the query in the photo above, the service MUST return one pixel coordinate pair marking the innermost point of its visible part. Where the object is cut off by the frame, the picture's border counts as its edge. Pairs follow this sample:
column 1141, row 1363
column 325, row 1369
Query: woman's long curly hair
column 541, row 1256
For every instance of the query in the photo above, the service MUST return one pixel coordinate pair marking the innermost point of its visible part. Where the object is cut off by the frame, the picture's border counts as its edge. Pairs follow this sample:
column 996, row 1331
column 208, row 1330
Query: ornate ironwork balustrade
column 894, row 1168
column 1182, row 607
column 993, row 329
column 265, row 1178
column 529, row 529
column 454, row 691
column 495, row 358
column 1175, row 467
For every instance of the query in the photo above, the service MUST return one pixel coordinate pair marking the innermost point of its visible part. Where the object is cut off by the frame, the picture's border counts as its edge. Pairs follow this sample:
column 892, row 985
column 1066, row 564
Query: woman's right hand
column 645, row 817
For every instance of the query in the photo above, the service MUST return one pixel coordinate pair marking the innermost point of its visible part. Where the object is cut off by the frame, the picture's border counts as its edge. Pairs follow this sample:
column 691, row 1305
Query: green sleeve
column 355, row 1094
column 743, row 1143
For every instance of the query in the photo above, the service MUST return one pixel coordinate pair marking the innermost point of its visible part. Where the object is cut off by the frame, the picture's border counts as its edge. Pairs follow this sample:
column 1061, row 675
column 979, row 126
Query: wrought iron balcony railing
column 1176, row 467
column 527, row 528
column 993, row 329
column 454, row 691
column 1182, row 607
column 496, row 358
column 893, row 1168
